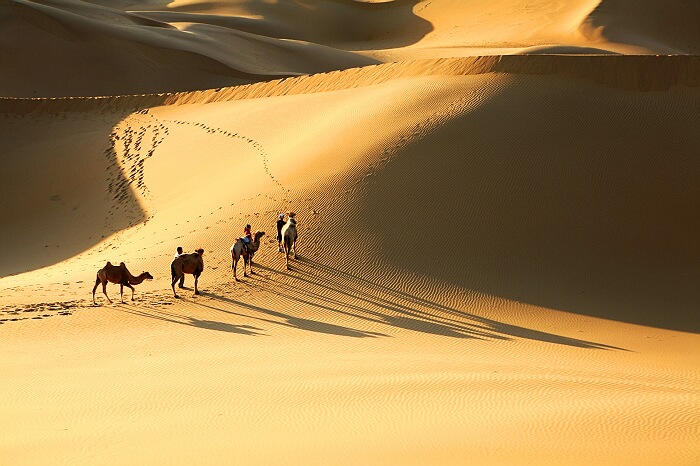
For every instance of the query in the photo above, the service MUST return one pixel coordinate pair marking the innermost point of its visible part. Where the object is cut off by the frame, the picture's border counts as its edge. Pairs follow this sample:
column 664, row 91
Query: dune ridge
column 640, row 73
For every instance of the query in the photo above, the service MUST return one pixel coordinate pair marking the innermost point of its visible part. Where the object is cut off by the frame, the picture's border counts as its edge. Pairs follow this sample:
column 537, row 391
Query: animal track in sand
column 132, row 141
column 211, row 130
column 136, row 139
column 29, row 311
column 38, row 311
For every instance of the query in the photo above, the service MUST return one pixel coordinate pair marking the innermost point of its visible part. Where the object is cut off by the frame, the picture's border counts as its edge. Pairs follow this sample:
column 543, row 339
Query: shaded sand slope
column 664, row 27
column 62, row 187
column 96, row 50
column 560, row 194
column 340, row 24
column 393, row 339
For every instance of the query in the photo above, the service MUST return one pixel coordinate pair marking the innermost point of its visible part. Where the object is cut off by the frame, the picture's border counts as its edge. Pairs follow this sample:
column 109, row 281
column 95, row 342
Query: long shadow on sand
column 343, row 295
column 352, row 296
column 257, row 313
column 153, row 312
column 287, row 320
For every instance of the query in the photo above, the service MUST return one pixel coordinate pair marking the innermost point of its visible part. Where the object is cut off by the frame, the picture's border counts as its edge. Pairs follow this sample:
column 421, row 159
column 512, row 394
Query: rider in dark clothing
column 280, row 224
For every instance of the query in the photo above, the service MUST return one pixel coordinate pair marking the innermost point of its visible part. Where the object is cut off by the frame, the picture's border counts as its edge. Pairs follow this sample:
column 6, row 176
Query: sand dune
column 96, row 50
column 498, row 257
column 104, row 48
column 665, row 28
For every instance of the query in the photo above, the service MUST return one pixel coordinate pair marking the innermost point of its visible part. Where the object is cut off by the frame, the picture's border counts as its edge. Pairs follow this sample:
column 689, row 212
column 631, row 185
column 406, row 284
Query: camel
column 187, row 263
column 238, row 250
column 289, row 238
column 118, row 274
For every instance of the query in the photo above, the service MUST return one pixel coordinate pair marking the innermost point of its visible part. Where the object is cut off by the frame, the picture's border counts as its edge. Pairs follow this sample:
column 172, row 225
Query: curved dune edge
column 631, row 72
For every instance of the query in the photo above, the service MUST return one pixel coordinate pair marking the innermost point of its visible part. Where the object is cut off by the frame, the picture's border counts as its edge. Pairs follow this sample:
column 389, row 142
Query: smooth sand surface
column 498, row 257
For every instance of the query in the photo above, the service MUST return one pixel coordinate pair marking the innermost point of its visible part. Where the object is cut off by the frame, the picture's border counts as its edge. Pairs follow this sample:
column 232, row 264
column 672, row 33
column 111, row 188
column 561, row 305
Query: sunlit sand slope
column 543, row 26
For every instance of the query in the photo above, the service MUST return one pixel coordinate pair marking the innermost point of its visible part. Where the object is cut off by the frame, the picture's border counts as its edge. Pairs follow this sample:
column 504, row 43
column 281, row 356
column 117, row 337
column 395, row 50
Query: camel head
column 147, row 276
column 199, row 251
column 258, row 235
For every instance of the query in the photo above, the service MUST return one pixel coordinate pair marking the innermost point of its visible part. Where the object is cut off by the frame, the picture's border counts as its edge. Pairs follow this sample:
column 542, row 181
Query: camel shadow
column 344, row 293
column 273, row 317
column 159, row 314
column 333, row 292
column 288, row 320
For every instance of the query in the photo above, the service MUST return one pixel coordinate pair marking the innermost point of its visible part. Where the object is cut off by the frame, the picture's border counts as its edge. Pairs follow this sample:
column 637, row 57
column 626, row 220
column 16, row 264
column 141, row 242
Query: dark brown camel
column 239, row 250
column 118, row 274
column 187, row 263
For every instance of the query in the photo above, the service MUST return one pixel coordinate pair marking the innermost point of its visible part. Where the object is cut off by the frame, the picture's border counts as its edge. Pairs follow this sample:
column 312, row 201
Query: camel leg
column 294, row 247
column 104, row 290
column 132, row 290
column 246, row 258
column 196, row 279
column 175, row 279
column 286, row 255
column 121, row 292
column 234, row 264
column 250, row 265
column 97, row 282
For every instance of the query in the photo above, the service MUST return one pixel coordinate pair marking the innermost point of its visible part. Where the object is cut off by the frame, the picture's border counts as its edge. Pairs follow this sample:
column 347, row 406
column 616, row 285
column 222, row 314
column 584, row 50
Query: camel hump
column 122, row 264
column 108, row 264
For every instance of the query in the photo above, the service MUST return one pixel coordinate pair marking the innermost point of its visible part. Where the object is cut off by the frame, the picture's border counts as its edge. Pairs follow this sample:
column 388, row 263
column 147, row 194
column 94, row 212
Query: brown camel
column 238, row 249
column 187, row 263
column 289, row 238
column 118, row 274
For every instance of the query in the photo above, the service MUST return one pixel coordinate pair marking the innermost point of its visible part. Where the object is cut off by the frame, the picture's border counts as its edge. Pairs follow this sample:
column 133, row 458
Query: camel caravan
column 193, row 263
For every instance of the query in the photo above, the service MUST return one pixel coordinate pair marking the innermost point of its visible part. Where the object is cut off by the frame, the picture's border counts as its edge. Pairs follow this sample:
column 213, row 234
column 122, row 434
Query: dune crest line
column 631, row 72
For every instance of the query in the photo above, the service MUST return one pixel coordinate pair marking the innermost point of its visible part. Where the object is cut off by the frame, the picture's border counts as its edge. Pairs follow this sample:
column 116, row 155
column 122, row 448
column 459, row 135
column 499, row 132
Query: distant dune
column 498, row 257
column 65, row 48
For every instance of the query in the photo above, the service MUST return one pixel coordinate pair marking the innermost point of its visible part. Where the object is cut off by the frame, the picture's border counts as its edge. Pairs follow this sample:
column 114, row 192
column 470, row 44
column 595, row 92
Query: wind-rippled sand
column 498, row 217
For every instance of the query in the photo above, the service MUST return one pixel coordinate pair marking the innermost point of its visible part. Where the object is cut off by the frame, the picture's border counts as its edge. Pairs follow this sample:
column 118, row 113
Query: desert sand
column 498, row 256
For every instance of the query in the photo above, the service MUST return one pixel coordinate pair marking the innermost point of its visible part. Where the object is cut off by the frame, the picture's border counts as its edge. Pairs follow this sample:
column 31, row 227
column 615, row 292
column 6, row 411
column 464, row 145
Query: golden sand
column 498, row 207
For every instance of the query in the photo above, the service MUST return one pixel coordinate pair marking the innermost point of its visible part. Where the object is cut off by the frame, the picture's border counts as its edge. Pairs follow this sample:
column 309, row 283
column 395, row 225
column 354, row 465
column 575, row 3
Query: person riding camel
column 247, row 237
